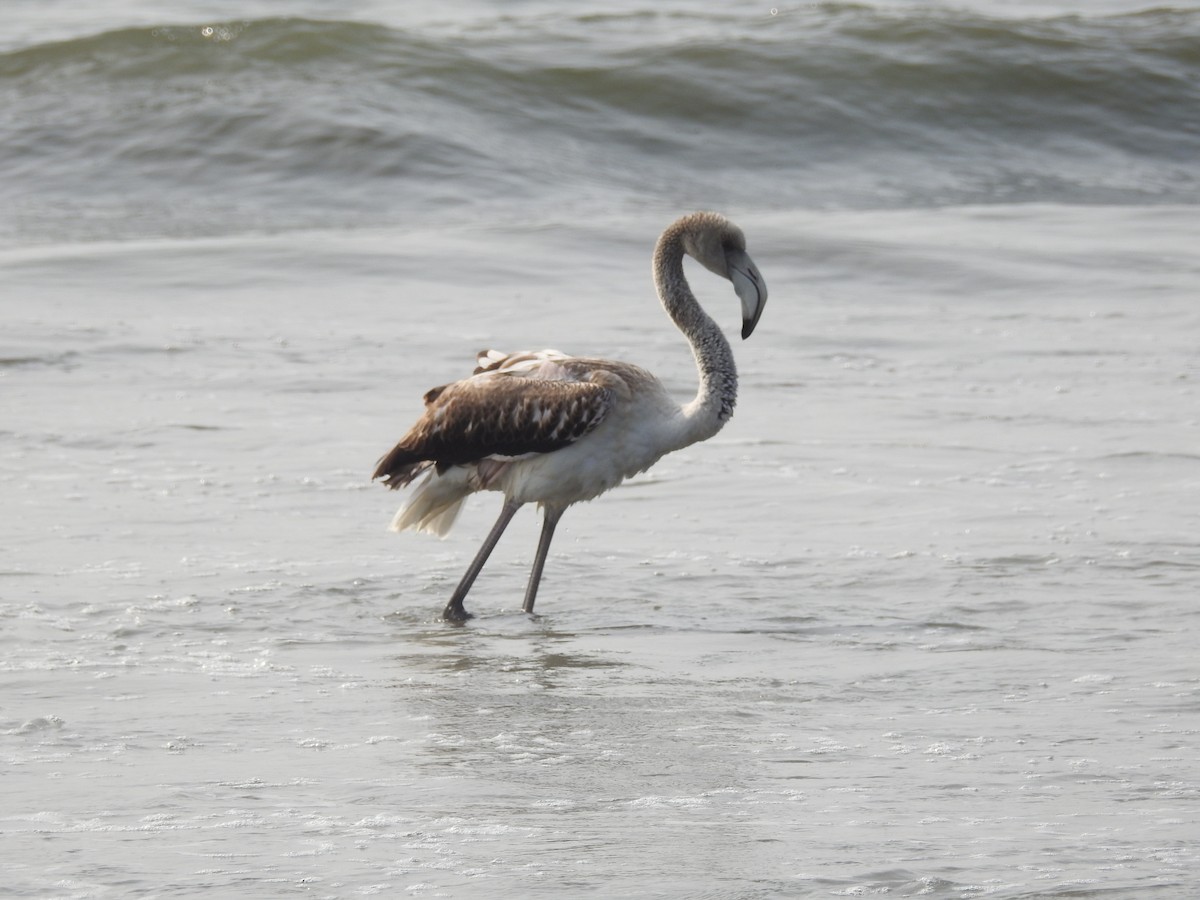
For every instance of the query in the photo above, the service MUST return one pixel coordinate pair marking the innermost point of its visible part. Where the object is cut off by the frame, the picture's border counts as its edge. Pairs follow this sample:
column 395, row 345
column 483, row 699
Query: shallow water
column 921, row 621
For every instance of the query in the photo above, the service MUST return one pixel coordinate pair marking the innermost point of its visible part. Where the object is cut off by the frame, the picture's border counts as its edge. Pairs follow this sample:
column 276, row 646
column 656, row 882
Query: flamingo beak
column 749, row 285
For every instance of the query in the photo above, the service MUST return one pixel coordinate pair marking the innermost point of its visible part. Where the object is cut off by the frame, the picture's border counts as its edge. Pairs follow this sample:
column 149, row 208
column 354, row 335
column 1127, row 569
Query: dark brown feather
column 496, row 414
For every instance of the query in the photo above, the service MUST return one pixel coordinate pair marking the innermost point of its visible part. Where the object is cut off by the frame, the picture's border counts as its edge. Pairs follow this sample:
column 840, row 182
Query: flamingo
column 543, row 427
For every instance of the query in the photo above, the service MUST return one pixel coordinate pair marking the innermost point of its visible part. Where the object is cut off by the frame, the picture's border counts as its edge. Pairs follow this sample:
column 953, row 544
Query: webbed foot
column 454, row 612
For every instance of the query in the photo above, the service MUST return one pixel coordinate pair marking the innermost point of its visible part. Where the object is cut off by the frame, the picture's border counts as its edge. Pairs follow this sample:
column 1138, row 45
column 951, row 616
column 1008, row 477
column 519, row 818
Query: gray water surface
column 920, row 622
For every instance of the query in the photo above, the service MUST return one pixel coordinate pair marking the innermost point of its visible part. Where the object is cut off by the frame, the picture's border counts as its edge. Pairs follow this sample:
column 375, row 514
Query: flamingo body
column 547, row 428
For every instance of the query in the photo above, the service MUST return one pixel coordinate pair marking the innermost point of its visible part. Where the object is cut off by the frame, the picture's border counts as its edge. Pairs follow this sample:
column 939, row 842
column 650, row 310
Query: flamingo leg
column 550, row 520
column 454, row 611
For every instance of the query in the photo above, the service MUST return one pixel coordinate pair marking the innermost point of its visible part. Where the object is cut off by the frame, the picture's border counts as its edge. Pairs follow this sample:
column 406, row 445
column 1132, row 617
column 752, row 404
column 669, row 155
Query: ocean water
column 921, row 621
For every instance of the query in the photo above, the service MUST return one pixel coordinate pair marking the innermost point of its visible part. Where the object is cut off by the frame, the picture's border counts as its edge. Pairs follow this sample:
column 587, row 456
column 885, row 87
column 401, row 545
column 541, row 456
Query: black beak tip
column 748, row 325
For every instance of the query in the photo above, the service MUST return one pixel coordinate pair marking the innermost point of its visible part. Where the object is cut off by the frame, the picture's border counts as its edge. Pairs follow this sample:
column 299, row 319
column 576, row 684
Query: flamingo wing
column 514, row 406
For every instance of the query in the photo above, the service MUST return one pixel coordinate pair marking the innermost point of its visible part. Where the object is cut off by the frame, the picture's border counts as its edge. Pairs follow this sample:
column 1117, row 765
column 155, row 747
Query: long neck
column 710, row 410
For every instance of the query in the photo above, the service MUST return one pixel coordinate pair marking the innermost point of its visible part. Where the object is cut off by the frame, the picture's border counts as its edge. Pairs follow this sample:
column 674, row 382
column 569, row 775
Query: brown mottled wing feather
column 495, row 414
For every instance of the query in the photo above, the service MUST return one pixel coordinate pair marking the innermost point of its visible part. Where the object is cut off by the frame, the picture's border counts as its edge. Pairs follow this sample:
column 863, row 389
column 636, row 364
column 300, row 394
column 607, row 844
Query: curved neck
column 713, row 406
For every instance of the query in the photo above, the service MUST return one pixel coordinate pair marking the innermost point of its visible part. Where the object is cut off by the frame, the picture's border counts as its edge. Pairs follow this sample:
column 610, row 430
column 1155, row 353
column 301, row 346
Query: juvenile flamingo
column 546, row 428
